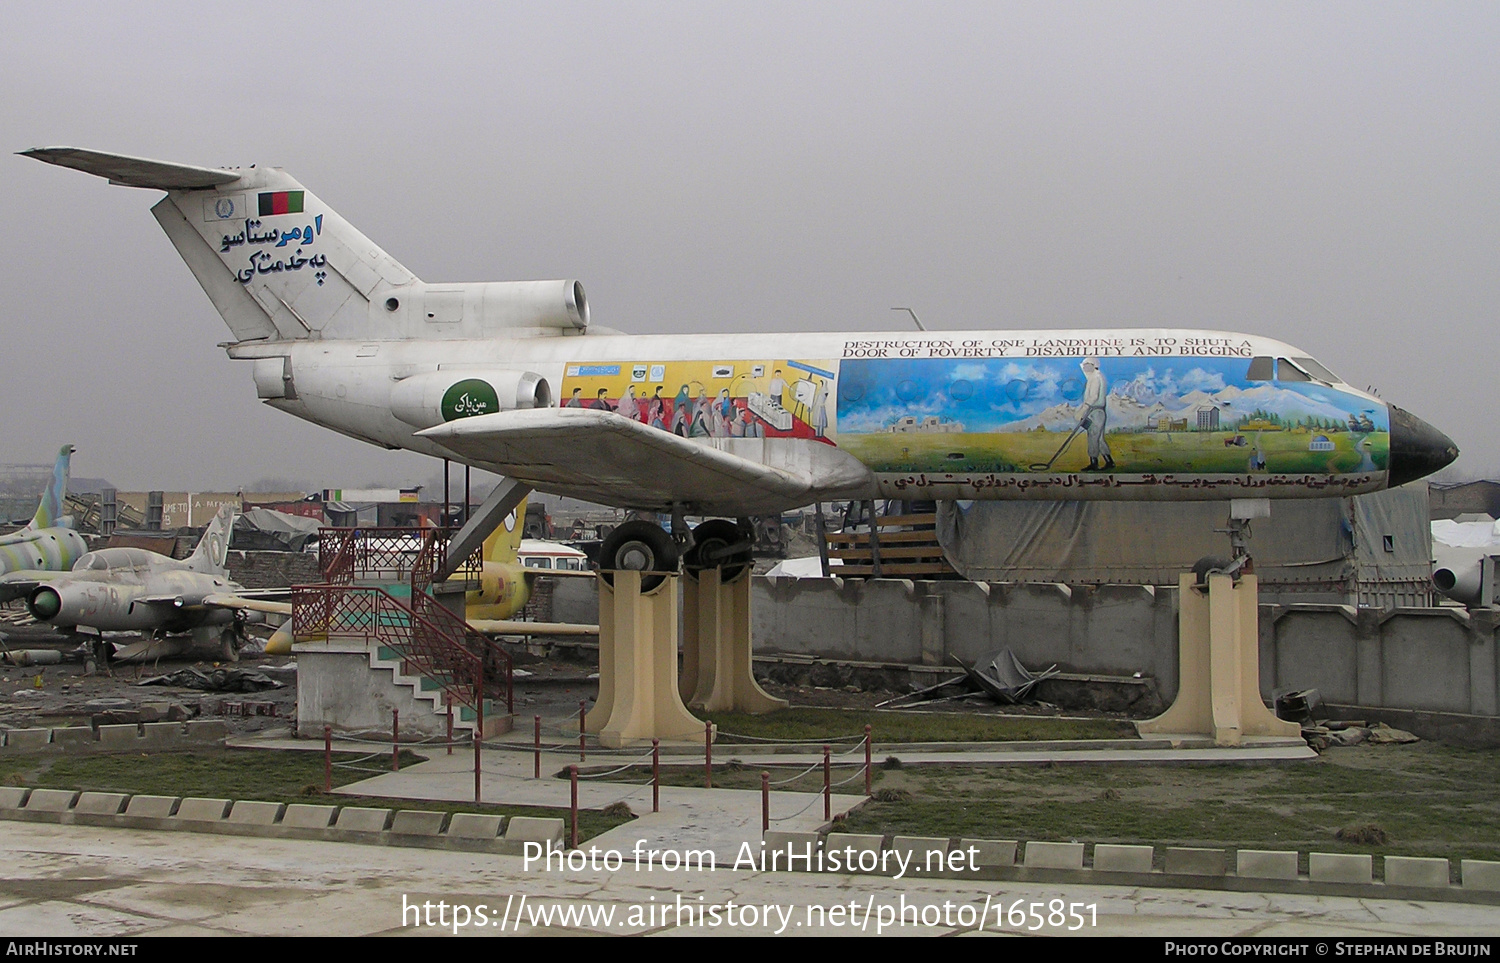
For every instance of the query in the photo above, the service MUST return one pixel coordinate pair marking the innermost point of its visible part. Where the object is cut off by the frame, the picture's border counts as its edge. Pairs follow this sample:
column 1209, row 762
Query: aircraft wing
column 219, row 601
column 605, row 457
column 247, row 604
column 513, row 627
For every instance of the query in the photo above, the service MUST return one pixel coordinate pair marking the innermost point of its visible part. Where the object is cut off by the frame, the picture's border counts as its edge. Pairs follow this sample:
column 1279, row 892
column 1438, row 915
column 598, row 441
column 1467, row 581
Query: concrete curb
column 468, row 832
column 129, row 737
column 1253, row 871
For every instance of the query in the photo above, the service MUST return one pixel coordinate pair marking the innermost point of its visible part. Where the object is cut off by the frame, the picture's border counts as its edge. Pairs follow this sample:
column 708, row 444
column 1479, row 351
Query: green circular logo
column 468, row 398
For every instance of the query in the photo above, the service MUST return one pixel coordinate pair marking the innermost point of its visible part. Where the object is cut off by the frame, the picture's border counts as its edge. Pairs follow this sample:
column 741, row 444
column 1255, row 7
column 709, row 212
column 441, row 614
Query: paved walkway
column 78, row 881
column 723, row 820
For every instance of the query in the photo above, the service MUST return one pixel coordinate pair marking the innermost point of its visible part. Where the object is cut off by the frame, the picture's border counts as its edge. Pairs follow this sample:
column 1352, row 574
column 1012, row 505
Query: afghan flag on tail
column 280, row 202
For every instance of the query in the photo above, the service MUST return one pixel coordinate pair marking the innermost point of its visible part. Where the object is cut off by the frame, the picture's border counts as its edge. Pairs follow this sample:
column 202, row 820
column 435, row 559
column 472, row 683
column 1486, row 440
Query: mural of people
column 600, row 403
column 577, row 400
column 656, row 410
column 681, row 412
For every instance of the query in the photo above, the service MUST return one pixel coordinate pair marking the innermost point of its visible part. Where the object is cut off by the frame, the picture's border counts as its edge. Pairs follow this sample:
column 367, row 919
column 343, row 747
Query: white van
column 535, row 553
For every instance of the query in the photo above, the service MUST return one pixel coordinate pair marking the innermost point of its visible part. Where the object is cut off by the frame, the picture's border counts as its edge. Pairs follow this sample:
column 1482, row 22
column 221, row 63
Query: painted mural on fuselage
column 1135, row 416
column 711, row 399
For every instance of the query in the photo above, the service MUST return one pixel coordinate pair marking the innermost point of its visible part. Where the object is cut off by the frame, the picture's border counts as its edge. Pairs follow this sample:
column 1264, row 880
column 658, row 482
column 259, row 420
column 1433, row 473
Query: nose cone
column 1417, row 448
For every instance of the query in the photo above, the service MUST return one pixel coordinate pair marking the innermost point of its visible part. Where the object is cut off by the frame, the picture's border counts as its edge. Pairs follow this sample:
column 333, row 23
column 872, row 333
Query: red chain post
column 867, row 761
column 708, row 755
column 573, row 807
column 827, row 785
column 765, row 802
column 656, row 775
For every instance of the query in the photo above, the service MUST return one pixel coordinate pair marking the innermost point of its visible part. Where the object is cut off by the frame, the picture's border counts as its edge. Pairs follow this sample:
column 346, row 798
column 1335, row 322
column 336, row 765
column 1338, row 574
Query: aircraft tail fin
column 281, row 265
column 50, row 512
column 212, row 553
column 504, row 543
column 277, row 262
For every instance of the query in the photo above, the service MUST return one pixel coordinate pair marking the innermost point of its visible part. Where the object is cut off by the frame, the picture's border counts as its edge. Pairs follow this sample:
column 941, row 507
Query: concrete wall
column 273, row 569
column 339, row 688
column 1430, row 659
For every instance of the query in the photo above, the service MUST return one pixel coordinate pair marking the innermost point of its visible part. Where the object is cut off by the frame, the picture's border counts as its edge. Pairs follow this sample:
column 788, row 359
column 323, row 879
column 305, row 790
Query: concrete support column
column 1218, row 690
column 638, row 698
column 717, row 673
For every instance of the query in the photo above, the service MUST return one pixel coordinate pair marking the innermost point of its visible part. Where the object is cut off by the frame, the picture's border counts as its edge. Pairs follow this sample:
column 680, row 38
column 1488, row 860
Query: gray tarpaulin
column 1317, row 545
column 274, row 529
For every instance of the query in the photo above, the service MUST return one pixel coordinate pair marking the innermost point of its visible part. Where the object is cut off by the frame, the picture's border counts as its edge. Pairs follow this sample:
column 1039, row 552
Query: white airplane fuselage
column 510, row 376
column 1016, row 383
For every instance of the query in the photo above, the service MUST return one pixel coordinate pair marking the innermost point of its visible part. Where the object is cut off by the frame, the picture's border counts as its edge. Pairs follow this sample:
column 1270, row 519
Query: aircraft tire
column 710, row 538
column 1205, row 565
column 638, row 546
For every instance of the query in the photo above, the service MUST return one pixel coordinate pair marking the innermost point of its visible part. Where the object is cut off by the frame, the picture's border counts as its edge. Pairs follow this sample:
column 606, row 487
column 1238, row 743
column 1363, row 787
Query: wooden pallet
column 903, row 546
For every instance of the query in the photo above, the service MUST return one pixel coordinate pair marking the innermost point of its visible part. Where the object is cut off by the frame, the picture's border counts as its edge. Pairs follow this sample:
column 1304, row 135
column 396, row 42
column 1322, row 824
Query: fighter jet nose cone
column 1417, row 448
column 45, row 604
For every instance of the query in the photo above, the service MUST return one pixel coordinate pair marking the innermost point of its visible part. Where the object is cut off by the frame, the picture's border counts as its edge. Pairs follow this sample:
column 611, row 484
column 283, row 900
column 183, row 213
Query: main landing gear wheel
column 1206, row 565
column 717, row 544
column 638, row 547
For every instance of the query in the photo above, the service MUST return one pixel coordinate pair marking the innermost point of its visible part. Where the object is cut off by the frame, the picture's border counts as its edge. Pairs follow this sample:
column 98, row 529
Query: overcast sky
column 1323, row 173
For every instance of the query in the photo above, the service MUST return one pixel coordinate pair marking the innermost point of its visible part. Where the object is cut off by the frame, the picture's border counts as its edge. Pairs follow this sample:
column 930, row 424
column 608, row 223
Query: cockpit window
column 1286, row 371
column 1317, row 370
column 92, row 563
column 1261, row 369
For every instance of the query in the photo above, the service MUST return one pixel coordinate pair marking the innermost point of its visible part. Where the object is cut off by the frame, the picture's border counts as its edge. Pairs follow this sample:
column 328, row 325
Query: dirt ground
column 73, row 694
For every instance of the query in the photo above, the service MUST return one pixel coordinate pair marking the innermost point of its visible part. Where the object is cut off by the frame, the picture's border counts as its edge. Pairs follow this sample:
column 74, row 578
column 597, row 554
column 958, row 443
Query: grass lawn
column 287, row 776
column 1427, row 799
column 888, row 726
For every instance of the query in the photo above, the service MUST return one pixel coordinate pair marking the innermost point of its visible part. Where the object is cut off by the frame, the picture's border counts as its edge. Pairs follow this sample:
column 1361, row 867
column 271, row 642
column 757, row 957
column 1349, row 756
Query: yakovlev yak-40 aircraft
column 511, row 377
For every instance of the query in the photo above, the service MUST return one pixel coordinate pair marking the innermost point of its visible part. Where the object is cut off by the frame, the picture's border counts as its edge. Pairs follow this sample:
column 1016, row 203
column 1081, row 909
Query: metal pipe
column 328, row 758
column 537, row 752
column 583, row 705
column 395, row 740
column 708, row 755
column 765, row 801
column 656, row 775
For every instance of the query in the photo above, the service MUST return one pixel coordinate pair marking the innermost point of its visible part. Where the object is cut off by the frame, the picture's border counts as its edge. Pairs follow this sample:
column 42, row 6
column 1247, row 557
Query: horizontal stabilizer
column 608, row 458
column 134, row 171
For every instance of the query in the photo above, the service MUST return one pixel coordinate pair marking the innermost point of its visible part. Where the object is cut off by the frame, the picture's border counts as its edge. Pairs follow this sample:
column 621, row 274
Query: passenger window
column 1261, row 369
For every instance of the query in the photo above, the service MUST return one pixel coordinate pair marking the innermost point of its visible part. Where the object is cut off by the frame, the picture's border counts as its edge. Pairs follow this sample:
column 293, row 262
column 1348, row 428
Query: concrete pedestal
column 716, row 669
column 638, row 697
column 1218, row 690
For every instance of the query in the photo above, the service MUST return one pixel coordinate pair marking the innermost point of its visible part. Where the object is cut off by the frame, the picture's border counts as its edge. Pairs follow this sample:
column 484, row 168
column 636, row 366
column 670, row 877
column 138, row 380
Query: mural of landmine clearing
column 1162, row 415
column 703, row 399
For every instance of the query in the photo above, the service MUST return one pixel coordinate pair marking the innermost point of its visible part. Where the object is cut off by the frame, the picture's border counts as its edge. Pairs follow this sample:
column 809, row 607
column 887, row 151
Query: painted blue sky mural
column 1008, row 395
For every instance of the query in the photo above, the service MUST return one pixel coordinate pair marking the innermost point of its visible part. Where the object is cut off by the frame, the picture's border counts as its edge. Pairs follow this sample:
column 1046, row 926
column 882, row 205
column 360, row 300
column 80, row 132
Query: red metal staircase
column 358, row 566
